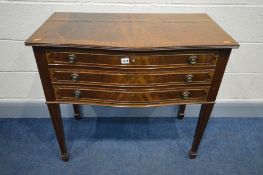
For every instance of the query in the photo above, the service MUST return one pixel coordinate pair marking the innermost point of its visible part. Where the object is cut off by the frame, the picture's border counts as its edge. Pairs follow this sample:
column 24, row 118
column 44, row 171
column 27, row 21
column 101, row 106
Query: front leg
column 55, row 114
column 204, row 116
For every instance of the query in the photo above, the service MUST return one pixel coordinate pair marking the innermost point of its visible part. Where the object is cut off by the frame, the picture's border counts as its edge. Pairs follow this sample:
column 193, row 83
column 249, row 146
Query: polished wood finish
column 131, row 60
column 219, row 72
column 131, row 32
column 78, row 76
column 129, row 97
column 143, row 60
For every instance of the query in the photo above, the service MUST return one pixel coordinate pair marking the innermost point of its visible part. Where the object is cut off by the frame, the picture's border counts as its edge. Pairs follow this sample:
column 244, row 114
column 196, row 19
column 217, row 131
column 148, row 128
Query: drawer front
column 130, row 79
column 79, row 94
column 132, row 60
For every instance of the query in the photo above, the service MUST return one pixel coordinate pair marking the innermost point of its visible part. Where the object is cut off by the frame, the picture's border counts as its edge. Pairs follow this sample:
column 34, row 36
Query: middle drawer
column 79, row 76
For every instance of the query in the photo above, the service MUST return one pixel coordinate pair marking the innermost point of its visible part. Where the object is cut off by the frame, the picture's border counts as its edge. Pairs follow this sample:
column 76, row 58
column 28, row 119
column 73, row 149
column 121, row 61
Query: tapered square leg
column 180, row 113
column 55, row 114
column 204, row 116
column 76, row 112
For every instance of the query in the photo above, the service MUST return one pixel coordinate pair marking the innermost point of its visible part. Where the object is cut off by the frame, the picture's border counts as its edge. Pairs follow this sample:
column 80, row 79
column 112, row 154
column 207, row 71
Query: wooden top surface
column 132, row 32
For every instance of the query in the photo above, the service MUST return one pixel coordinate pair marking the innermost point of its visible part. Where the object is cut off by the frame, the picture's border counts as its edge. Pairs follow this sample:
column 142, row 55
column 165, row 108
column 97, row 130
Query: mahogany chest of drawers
column 131, row 60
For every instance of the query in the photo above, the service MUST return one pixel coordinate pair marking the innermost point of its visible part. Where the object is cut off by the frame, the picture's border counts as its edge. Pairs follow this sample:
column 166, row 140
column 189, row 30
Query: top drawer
column 184, row 59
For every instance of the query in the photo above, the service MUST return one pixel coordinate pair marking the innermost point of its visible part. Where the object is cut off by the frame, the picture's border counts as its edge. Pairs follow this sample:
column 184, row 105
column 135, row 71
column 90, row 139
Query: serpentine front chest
column 130, row 60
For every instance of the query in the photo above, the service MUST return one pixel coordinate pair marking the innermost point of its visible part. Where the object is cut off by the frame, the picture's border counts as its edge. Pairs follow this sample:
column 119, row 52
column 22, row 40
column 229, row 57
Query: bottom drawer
column 110, row 95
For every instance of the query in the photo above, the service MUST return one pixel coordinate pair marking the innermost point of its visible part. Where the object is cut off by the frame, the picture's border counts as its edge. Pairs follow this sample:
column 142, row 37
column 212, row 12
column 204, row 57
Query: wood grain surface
column 80, row 76
column 142, row 59
column 131, row 32
column 132, row 97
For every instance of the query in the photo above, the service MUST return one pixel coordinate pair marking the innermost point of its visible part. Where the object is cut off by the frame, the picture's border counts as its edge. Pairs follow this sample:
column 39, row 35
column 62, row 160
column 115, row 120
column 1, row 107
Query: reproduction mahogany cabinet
column 130, row 60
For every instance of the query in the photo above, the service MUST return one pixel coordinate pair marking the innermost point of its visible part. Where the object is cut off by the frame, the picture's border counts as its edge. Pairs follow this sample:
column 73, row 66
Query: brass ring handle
column 77, row 94
column 74, row 77
column 72, row 58
column 185, row 94
column 189, row 78
column 192, row 59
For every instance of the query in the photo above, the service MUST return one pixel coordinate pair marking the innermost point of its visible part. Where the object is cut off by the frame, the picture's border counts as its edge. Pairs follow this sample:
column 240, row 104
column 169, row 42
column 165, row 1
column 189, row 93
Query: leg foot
column 180, row 113
column 180, row 117
column 64, row 157
column 192, row 155
column 77, row 116
column 76, row 112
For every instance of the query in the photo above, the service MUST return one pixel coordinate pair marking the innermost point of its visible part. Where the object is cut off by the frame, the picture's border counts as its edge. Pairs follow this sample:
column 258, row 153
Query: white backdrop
column 242, row 19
